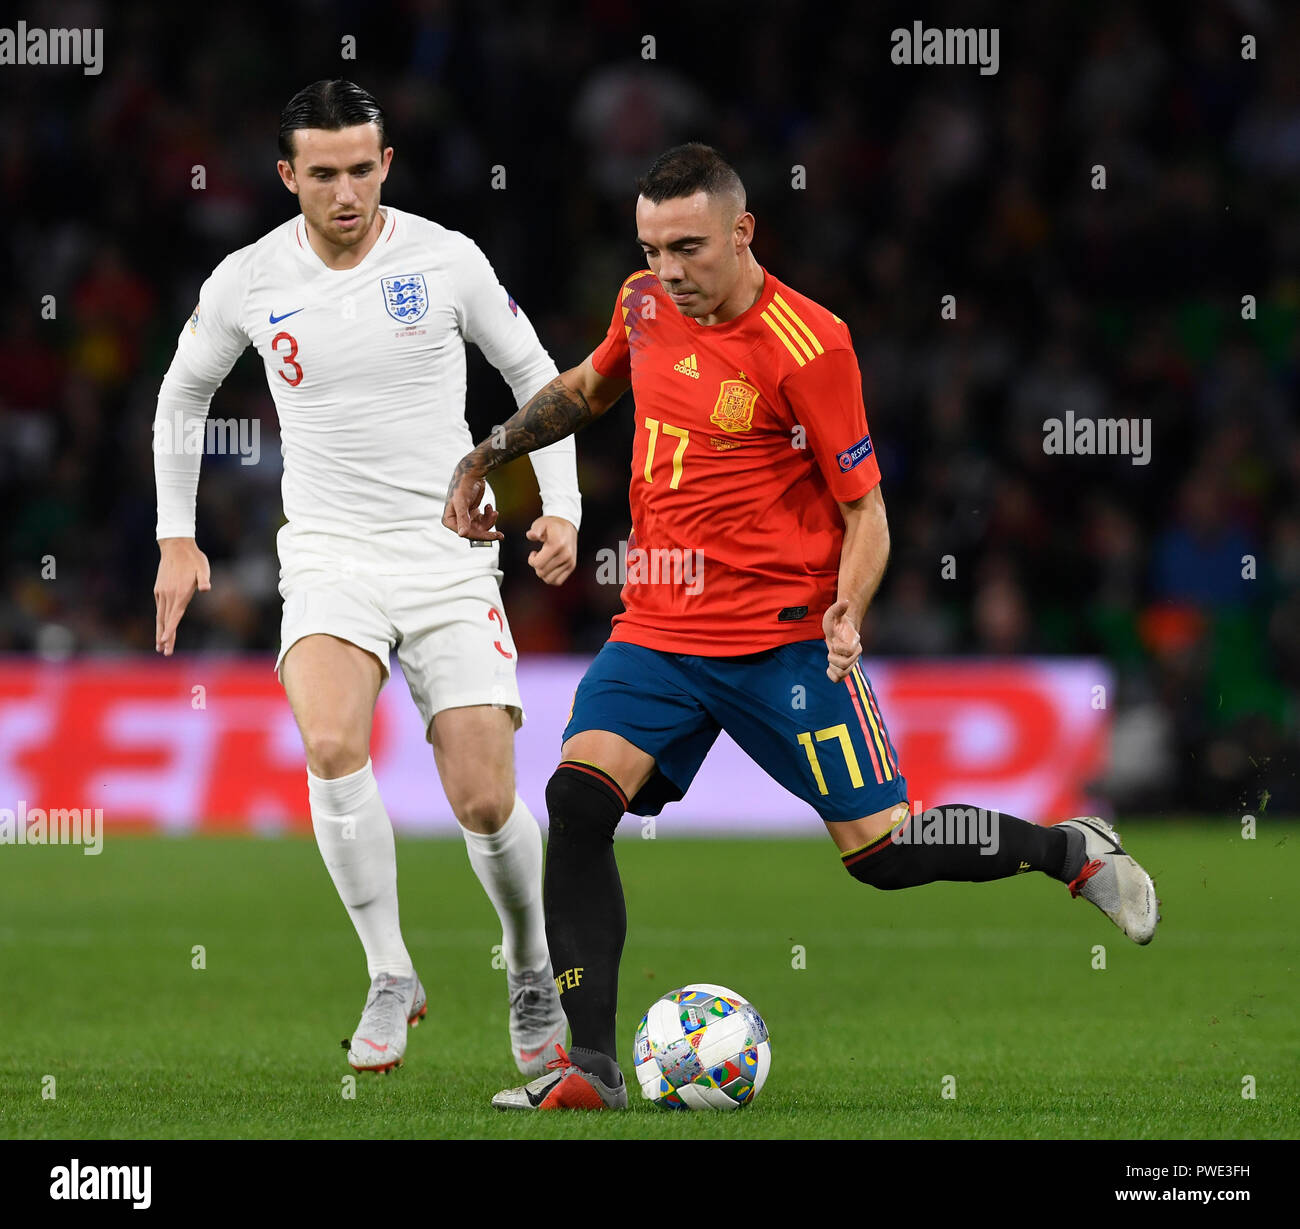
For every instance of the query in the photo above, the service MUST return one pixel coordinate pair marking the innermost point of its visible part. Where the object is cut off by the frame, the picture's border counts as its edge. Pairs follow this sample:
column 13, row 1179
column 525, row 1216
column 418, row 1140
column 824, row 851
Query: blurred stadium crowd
column 920, row 182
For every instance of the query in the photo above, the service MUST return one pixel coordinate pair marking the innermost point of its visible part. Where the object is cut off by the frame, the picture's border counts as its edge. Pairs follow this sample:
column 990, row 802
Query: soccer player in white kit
column 361, row 315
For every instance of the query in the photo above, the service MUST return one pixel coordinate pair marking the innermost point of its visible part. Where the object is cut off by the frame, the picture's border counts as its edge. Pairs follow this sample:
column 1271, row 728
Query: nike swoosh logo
column 1115, row 846
column 276, row 319
column 535, row 1099
column 372, row 1045
column 529, row 1055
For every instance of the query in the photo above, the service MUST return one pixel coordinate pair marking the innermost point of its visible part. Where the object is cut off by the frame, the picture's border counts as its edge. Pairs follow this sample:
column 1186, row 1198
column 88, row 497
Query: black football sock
column 586, row 921
column 968, row 845
column 598, row 1063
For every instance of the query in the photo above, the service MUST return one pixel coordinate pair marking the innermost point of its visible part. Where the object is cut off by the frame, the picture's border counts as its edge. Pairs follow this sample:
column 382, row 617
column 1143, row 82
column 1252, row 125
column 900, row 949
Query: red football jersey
column 747, row 433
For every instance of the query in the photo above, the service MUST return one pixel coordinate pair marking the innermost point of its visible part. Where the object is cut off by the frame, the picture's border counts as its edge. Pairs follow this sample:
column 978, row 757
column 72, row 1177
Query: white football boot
column 379, row 1041
column 1113, row 881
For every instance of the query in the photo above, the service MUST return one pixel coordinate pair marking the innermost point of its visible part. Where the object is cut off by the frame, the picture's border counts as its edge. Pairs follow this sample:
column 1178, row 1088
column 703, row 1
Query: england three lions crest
column 406, row 297
column 735, row 408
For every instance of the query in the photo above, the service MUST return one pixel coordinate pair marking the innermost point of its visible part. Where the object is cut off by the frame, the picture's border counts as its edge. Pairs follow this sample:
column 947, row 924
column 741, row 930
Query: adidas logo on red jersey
column 688, row 367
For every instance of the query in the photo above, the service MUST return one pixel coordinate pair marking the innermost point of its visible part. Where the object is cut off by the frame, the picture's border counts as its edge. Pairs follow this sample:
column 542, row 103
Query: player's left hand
column 558, row 555
column 842, row 640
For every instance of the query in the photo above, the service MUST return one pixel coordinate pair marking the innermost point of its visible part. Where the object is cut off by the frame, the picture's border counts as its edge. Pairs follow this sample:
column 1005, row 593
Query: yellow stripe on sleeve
column 785, row 341
column 803, row 345
column 790, row 311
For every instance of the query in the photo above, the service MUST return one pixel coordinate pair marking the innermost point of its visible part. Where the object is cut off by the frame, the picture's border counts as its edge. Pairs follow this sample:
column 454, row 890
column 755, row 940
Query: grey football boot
column 536, row 1018
column 565, row 1086
column 1112, row 880
column 379, row 1041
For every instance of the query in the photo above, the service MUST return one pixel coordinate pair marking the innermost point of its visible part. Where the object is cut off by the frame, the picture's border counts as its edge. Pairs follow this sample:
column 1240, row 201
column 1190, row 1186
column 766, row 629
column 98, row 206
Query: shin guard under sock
column 964, row 844
column 586, row 921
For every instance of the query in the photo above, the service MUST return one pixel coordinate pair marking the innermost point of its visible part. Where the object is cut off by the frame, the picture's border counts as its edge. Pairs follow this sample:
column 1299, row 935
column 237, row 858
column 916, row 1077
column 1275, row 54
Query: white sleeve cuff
column 557, row 480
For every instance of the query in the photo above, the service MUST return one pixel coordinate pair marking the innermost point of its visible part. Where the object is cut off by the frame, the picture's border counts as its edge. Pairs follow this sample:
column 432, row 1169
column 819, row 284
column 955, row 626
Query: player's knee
column 582, row 809
column 481, row 806
column 334, row 751
column 880, row 869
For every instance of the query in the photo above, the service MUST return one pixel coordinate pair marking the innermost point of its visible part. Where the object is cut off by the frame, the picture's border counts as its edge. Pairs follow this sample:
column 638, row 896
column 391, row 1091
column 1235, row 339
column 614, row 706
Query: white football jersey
column 367, row 370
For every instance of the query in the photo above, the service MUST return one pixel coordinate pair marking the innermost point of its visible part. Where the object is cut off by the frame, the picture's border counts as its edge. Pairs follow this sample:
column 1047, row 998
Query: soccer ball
column 702, row 1047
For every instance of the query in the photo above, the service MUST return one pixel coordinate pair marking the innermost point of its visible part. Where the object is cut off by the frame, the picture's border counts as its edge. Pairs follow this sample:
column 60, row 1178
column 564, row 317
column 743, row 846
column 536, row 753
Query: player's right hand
column 462, row 514
column 843, row 642
column 182, row 571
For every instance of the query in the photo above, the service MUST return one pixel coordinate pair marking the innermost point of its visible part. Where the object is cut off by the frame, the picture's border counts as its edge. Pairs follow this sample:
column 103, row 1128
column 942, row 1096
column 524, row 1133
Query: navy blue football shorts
column 825, row 742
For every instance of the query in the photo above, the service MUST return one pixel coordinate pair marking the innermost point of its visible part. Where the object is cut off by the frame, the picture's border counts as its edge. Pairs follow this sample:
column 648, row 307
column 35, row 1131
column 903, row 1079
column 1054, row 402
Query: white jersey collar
column 298, row 239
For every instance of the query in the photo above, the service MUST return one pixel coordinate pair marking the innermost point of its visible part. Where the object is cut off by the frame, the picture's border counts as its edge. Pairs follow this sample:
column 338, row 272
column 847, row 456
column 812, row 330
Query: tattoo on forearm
column 554, row 413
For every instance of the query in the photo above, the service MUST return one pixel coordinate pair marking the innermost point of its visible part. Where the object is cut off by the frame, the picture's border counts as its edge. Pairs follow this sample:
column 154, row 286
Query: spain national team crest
column 735, row 408
column 406, row 297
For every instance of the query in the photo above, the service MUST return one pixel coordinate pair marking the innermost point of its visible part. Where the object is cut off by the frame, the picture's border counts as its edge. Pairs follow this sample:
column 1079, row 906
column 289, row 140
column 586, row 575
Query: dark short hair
column 330, row 105
column 687, row 169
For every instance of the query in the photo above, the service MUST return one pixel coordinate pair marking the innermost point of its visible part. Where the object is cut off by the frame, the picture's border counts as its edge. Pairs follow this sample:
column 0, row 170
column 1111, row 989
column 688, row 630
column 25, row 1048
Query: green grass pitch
column 991, row 984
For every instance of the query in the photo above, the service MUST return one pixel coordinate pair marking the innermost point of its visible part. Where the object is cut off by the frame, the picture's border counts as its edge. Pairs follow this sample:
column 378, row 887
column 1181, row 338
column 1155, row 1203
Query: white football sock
column 508, row 864
column 355, row 837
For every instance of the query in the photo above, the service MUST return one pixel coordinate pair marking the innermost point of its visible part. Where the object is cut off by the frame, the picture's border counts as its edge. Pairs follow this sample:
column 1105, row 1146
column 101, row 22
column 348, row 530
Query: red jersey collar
column 749, row 315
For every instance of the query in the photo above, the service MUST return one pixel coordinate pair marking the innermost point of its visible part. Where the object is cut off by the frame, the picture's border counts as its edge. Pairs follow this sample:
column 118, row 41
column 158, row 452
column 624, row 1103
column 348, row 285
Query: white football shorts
column 450, row 630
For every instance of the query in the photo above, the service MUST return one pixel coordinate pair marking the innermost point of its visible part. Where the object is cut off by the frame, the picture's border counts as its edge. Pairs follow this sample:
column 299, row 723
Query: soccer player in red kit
column 759, row 538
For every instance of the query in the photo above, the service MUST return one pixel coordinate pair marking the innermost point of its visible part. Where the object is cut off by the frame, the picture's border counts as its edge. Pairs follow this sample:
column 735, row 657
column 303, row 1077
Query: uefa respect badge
column 853, row 456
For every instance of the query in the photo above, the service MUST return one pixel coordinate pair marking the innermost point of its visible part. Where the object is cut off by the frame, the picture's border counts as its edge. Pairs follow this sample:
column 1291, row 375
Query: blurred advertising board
column 208, row 743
